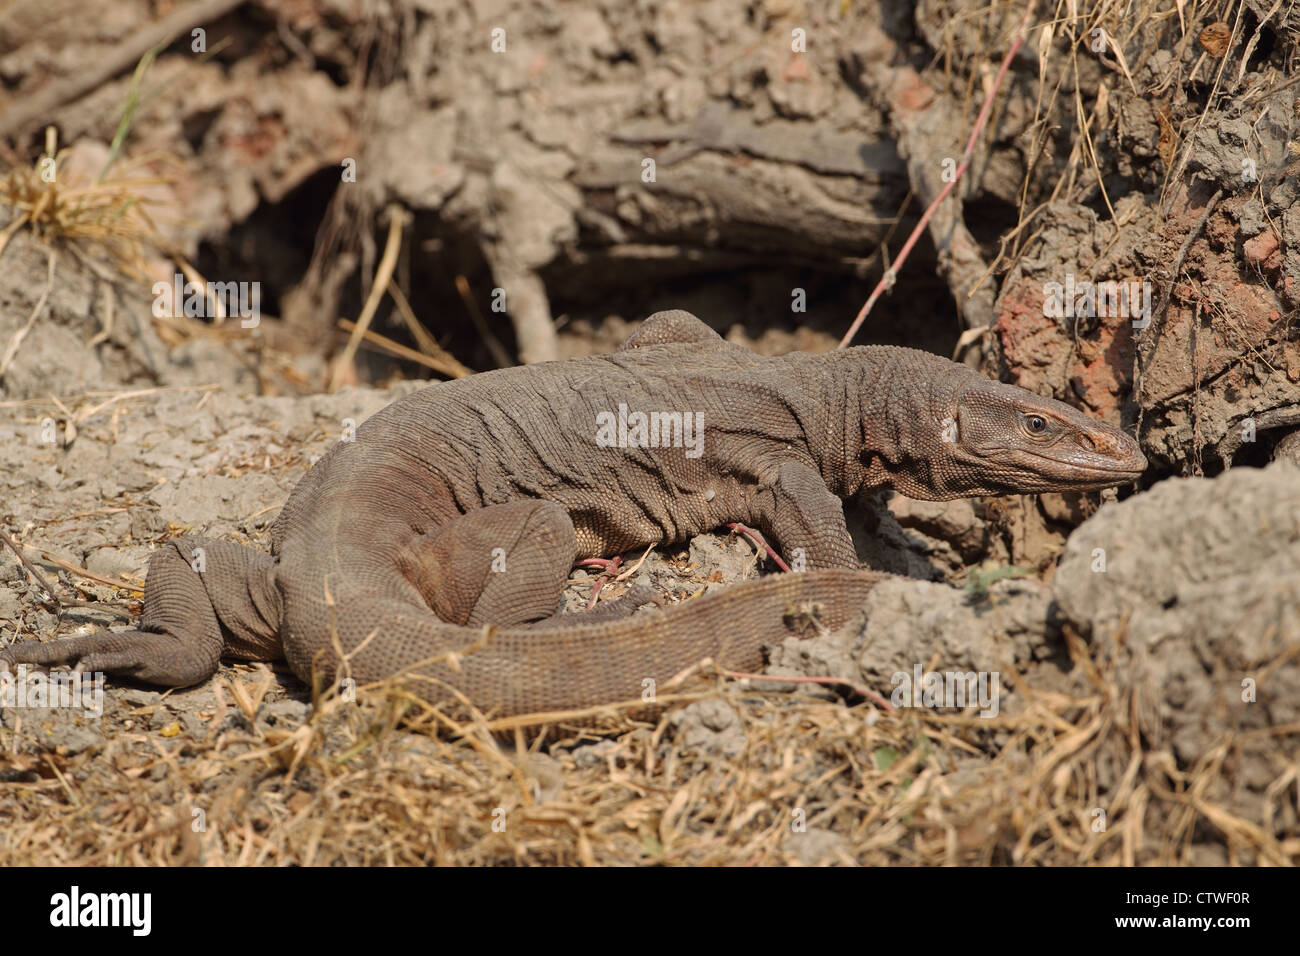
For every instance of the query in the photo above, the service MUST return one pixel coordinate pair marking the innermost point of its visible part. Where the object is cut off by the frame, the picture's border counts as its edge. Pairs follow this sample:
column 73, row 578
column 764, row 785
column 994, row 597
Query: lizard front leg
column 805, row 519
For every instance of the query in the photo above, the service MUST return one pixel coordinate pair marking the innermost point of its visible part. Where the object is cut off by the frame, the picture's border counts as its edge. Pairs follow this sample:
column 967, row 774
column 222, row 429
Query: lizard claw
column 81, row 652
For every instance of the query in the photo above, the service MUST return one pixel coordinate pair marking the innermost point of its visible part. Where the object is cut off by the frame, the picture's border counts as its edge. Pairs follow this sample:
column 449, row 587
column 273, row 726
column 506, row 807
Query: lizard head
column 1002, row 439
column 1015, row 442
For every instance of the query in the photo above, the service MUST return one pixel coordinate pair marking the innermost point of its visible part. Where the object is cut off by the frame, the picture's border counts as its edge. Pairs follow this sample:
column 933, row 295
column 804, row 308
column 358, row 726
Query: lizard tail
column 556, row 668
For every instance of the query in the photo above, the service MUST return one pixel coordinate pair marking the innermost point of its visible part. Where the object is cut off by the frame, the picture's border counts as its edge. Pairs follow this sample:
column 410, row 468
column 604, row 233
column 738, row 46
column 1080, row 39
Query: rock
column 595, row 755
column 1191, row 592
column 114, row 562
column 136, row 697
column 1250, row 218
column 63, row 730
column 1288, row 449
column 287, row 711
column 1258, row 249
column 909, row 624
column 710, row 727
column 818, row 847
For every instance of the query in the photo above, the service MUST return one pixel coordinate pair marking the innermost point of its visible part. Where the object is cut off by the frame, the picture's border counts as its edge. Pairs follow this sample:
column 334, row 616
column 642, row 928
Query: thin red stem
column 887, row 280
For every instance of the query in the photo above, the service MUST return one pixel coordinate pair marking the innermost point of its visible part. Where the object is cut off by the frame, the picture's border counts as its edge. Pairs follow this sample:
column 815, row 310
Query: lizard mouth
column 1103, row 458
column 1069, row 470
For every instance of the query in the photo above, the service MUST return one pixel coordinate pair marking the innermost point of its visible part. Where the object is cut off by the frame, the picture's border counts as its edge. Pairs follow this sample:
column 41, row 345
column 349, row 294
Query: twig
column 499, row 353
column 401, row 351
column 428, row 344
column 89, row 575
column 1167, row 291
column 628, row 572
column 106, row 328
column 1190, row 141
column 16, row 342
column 117, row 612
column 384, row 272
column 193, row 275
column 858, row 689
column 96, row 393
column 891, row 274
column 59, row 602
column 32, row 569
column 759, row 542
column 1155, row 321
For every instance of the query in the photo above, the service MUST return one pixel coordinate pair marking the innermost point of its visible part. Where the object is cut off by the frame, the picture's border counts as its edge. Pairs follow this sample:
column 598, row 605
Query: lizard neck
column 886, row 410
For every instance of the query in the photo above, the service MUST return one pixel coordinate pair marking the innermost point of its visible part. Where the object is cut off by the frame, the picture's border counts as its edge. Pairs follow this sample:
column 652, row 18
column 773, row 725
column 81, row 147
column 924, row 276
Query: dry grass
column 1063, row 781
column 98, row 205
column 109, row 215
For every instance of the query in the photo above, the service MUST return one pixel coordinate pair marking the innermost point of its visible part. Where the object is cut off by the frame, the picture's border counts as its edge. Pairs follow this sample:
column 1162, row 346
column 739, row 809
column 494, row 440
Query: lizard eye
column 1036, row 424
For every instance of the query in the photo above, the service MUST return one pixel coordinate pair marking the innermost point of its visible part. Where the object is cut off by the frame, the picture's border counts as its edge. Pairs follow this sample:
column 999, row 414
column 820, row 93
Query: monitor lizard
column 438, row 541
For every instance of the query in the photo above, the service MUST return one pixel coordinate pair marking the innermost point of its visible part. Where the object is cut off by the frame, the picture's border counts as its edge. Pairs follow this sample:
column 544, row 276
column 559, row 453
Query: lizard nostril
column 1087, row 442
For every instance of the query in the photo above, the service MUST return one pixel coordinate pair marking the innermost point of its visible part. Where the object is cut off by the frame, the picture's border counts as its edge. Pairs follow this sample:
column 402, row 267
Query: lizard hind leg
column 202, row 597
column 504, row 564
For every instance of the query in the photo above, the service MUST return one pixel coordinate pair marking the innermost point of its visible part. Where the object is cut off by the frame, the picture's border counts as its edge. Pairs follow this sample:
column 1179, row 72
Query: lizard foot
column 146, row 656
column 636, row 596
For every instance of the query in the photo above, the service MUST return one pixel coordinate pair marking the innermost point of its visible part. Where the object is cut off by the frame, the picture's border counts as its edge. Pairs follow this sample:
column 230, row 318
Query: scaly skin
column 465, row 504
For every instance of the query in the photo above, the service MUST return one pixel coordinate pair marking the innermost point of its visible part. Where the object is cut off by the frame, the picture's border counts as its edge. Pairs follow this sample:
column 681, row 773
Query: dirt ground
column 401, row 168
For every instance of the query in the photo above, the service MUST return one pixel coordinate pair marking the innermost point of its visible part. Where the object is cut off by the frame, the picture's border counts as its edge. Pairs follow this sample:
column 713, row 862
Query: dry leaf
column 1168, row 144
column 1215, row 38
